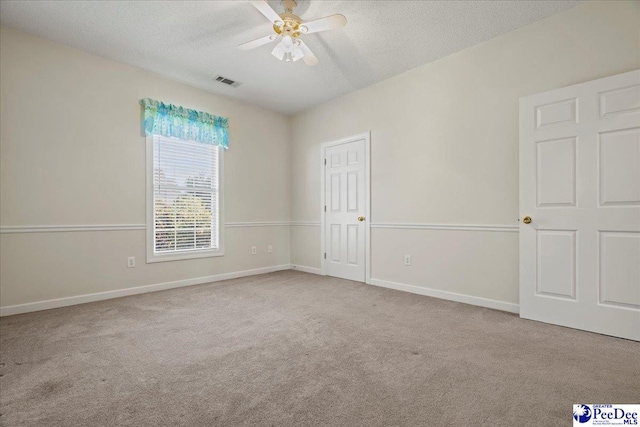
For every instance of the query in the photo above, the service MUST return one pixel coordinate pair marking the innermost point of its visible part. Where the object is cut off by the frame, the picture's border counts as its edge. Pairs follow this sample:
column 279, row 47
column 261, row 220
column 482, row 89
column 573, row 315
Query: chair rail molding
column 257, row 224
column 14, row 229
column 457, row 227
column 69, row 228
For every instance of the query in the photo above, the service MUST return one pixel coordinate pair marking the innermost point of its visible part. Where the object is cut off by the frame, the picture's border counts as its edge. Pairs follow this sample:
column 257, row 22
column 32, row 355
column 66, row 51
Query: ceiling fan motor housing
column 290, row 25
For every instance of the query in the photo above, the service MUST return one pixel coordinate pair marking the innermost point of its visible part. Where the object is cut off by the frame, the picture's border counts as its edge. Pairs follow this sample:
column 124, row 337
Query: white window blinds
column 185, row 196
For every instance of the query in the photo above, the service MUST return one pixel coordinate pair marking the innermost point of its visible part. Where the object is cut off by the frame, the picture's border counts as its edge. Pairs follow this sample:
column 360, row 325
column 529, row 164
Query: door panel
column 619, row 172
column 345, row 195
column 620, row 269
column 556, row 172
column 580, row 183
column 556, row 269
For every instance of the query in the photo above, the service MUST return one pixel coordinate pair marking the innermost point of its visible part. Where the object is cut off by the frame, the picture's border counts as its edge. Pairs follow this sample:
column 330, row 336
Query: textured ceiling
column 192, row 41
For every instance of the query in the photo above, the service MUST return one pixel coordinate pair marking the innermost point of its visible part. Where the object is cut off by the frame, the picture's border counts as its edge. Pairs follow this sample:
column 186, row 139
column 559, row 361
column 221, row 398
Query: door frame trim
column 367, row 202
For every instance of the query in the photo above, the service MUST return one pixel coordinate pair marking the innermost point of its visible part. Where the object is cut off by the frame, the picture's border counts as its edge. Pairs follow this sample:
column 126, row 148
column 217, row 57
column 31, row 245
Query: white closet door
column 580, row 185
column 345, row 222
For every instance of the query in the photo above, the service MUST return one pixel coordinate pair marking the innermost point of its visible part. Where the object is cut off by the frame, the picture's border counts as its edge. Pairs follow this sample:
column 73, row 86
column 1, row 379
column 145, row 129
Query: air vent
column 226, row 81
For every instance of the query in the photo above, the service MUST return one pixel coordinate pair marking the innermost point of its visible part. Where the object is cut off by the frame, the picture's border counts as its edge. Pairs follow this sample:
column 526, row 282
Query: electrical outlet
column 270, row 248
column 131, row 262
column 407, row 260
column 254, row 250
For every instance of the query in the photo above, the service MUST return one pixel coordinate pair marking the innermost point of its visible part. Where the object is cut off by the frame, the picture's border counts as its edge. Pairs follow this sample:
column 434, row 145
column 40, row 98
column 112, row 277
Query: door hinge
column 325, row 255
column 325, row 208
column 325, row 162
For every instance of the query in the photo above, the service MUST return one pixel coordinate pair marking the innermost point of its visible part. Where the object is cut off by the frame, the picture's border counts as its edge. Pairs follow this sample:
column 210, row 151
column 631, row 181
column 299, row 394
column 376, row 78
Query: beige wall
column 72, row 154
column 444, row 151
column 445, row 147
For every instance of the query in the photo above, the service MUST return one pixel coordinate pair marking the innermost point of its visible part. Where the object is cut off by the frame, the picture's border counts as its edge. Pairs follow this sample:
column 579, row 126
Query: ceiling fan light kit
column 288, row 50
column 288, row 27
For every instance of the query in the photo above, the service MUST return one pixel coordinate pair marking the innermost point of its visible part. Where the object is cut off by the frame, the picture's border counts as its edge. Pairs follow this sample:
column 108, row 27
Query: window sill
column 151, row 258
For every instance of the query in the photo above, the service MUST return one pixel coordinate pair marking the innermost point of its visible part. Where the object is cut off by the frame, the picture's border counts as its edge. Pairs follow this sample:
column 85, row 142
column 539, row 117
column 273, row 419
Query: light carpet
column 295, row 349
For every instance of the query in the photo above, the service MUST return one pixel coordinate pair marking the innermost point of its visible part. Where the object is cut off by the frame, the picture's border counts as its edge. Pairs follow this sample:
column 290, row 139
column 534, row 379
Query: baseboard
column 306, row 269
column 100, row 296
column 451, row 296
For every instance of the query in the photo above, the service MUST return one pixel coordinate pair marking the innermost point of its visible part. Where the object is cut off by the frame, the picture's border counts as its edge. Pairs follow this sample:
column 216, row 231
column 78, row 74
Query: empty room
column 319, row 213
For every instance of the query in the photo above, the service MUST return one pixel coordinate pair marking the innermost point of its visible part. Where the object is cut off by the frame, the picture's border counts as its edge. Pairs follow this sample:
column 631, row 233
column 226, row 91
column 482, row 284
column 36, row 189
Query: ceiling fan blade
column 323, row 24
column 266, row 10
column 309, row 58
column 258, row 42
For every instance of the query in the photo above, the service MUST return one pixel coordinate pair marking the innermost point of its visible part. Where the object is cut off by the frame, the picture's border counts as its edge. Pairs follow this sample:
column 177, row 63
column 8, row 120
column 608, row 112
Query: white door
column 345, row 221
column 580, row 184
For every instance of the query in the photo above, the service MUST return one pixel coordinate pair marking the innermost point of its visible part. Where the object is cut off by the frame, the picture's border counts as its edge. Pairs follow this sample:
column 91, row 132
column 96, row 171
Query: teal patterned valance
column 179, row 122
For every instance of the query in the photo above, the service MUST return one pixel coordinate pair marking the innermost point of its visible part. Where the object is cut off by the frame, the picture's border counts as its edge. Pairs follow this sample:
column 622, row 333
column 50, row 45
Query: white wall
column 445, row 149
column 72, row 153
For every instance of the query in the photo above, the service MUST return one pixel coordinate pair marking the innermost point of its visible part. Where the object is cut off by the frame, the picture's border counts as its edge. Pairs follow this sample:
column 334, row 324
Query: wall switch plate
column 131, row 262
column 270, row 248
column 254, row 250
column 407, row 260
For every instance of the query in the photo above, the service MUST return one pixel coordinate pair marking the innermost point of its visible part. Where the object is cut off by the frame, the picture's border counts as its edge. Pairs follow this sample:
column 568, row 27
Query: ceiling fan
column 288, row 28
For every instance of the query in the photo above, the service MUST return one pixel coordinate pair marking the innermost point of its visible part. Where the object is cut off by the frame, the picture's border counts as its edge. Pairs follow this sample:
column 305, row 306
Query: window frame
column 152, row 256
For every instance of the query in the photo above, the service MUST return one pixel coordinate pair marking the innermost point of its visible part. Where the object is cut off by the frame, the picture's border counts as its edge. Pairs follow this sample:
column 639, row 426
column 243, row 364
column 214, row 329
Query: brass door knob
column 360, row 218
column 526, row 220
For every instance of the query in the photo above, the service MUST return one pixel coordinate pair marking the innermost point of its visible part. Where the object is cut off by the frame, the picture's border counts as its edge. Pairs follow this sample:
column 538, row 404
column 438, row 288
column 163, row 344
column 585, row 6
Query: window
column 183, row 199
